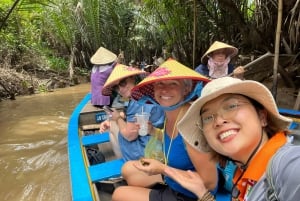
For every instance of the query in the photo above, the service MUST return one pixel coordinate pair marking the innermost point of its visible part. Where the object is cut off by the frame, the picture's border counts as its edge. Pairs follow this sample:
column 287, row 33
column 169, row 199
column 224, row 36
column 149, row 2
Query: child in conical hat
column 121, row 80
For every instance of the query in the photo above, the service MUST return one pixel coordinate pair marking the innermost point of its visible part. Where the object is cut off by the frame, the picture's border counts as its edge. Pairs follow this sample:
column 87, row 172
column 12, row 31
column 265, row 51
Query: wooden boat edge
column 79, row 180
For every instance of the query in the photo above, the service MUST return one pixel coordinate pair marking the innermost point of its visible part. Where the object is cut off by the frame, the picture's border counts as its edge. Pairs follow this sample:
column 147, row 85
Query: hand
column 114, row 115
column 104, row 126
column 239, row 72
column 149, row 166
column 187, row 179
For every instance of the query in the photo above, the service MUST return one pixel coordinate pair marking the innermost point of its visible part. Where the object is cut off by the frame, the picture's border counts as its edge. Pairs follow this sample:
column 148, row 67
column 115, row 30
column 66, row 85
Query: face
column 124, row 87
column 232, row 125
column 170, row 92
column 219, row 55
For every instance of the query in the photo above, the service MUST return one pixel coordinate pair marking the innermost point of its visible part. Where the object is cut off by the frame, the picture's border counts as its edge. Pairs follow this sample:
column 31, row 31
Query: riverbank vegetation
column 48, row 43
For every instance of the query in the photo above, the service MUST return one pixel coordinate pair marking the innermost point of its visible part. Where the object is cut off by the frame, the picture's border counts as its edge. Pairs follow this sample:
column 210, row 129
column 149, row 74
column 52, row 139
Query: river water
column 33, row 145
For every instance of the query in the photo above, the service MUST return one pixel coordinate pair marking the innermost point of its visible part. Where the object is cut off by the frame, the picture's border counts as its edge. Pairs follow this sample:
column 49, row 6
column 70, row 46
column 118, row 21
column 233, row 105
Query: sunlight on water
column 33, row 145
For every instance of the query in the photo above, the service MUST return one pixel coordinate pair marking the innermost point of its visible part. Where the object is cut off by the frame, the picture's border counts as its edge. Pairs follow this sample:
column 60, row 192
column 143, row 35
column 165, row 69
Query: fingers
column 114, row 115
column 239, row 70
column 104, row 126
column 102, row 129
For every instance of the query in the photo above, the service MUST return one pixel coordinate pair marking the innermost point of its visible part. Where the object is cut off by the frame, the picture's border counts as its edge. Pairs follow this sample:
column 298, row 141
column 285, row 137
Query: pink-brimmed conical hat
column 169, row 70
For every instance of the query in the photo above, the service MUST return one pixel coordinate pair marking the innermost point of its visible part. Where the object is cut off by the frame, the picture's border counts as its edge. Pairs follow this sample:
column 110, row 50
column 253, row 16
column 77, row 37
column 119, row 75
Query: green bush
column 57, row 63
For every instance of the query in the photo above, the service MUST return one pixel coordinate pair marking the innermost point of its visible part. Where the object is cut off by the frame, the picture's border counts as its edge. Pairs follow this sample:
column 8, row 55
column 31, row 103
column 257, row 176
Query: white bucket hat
column 103, row 56
column 189, row 124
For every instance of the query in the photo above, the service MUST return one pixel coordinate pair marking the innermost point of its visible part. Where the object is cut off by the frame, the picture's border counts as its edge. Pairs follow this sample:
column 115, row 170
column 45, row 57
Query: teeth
column 226, row 134
column 165, row 97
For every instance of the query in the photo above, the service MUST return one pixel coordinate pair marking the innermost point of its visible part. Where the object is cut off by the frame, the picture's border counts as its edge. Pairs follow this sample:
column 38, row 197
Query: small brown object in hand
column 144, row 163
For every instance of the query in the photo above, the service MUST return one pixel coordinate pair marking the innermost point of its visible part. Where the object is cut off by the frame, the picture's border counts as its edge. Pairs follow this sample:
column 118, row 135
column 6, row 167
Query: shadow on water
column 33, row 145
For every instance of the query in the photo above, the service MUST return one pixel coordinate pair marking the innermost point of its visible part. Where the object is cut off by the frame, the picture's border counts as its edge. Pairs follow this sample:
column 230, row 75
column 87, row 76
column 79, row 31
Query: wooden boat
column 94, row 182
column 88, row 181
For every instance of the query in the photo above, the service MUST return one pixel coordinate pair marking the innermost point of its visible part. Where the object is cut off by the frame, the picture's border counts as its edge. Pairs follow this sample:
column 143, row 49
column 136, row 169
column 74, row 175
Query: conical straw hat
column 119, row 72
column 231, row 51
column 169, row 70
column 103, row 56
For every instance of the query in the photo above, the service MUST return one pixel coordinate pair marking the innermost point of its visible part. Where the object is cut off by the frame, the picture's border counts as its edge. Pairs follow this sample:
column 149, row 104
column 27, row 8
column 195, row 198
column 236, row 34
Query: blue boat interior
column 82, row 177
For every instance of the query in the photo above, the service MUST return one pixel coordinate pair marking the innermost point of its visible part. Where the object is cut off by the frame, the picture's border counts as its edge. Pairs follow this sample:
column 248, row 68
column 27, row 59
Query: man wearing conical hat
column 103, row 61
column 216, row 61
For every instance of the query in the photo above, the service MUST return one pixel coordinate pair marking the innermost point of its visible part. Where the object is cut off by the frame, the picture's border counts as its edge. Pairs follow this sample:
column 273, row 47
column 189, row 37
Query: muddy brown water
column 33, row 145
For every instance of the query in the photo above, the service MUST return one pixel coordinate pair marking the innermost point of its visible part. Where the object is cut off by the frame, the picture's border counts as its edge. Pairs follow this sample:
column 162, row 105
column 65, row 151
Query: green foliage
column 82, row 71
column 25, row 84
column 52, row 30
column 42, row 88
column 57, row 63
column 171, row 24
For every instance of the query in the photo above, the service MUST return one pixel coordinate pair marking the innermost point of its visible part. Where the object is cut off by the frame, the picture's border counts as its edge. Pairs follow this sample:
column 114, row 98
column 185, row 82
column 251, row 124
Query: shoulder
column 230, row 68
column 285, row 165
column 287, row 153
column 287, row 158
column 132, row 109
column 133, row 105
column 202, row 68
column 283, row 172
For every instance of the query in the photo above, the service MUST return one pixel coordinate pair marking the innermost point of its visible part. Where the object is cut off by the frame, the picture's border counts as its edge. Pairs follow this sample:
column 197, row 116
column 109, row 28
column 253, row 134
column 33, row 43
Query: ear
column 262, row 114
column 186, row 90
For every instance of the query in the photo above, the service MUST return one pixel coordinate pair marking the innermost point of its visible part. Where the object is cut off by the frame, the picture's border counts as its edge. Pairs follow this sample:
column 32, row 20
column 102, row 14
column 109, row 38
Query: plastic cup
column 142, row 119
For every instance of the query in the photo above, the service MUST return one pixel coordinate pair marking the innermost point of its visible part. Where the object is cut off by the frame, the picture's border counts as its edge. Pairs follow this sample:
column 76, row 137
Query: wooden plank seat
column 96, row 138
column 102, row 171
column 107, row 170
column 90, row 127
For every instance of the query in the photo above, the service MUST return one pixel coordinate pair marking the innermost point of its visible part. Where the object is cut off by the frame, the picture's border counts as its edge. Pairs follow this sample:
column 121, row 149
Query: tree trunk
column 9, row 12
column 71, row 65
column 194, row 33
column 276, row 52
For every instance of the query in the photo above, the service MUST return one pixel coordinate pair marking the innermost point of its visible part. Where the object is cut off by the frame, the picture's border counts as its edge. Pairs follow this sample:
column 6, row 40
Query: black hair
column 271, row 128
